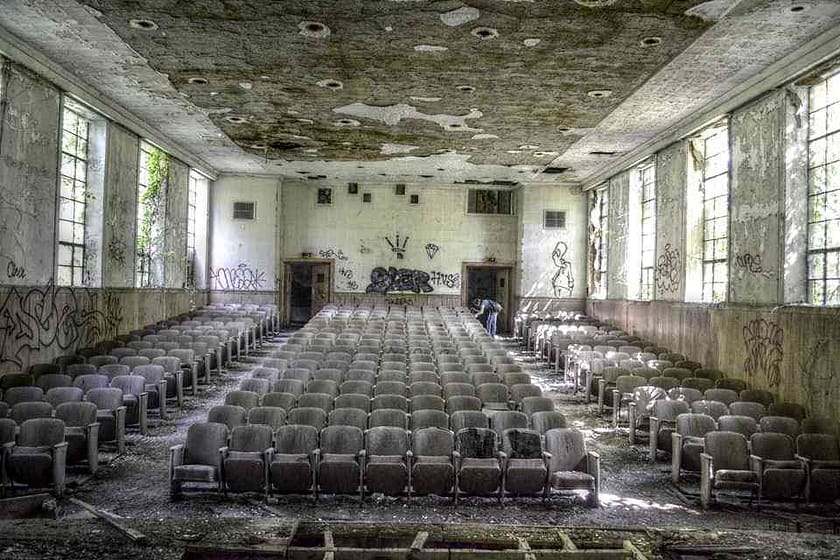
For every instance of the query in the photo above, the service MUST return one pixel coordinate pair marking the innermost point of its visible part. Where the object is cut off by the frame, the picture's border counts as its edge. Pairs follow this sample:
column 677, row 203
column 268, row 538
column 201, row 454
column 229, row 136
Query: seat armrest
column 176, row 455
column 756, row 464
column 706, row 461
column 593, row 468
column 409, row 455
column 59, row 467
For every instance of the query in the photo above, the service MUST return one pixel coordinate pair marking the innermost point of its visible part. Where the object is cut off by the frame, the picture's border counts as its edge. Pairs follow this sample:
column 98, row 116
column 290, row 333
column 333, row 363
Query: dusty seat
column 725, row 465
column 432, row 461
column 781, row 474
column 39, row 457
column 295, row 460
column 526, row 464
column 198, row 460
column 571, row 466
column 341, row 466
column 386, row 460
column 247, row 457
column 479, row 468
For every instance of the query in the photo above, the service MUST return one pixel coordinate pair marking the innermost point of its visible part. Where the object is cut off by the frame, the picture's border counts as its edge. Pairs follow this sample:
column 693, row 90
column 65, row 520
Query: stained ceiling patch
column 460, row 16
column 393, row 114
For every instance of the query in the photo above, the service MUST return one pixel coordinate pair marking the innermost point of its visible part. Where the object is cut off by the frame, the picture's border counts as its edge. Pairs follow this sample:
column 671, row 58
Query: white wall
column 354, row 232
column 243, row 254
column 537, row 268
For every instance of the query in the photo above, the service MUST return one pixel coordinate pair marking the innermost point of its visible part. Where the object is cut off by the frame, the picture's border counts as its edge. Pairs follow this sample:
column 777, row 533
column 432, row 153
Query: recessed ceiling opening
column 331, row 84
column 465, row 89
column 599, row 93
column 485, row 32
column 651, row 41
column 198, row 81
column 236, row 120
column 314, row 29
column 144, row 24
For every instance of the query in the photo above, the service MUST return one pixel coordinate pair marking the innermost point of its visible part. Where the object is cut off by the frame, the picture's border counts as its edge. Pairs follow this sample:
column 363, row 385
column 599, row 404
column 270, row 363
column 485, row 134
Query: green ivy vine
column 148, row 234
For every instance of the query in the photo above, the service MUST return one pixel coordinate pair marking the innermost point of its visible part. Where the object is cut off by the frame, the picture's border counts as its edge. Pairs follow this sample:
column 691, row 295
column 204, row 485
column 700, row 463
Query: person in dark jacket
column 492, row 309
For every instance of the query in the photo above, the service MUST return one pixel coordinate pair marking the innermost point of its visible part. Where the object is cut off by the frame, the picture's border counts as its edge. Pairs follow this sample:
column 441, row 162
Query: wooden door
column 321, row 283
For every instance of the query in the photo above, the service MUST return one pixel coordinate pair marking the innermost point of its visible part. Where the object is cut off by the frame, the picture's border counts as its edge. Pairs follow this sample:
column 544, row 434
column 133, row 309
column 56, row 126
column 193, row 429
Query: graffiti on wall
column 563, row 282
column 442, row 279
column 348, row 274
column 752, row 264
column 668, row 270
column 431, row 250
column 241, row 278
column 384, row 281
column 63, row 316
column 397, row 245
column 333, row 254
column 764, row 346
column 14, row 270
column 818, row 379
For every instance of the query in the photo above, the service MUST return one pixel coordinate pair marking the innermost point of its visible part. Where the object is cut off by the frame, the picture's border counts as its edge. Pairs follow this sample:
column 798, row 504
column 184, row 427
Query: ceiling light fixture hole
column 466, row 89
column 600, row 93
column 797, row 8
column 236, row 120
column 651, row 41
column 144, row 24
column 485, row 32
column 198, row 81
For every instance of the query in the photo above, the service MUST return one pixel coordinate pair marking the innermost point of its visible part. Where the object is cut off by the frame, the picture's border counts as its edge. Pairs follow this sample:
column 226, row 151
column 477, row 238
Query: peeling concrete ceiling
column 480, row 90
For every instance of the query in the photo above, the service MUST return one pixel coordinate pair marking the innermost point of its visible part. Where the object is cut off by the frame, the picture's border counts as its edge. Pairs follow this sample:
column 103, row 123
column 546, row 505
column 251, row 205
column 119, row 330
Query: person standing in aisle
column 492, row 309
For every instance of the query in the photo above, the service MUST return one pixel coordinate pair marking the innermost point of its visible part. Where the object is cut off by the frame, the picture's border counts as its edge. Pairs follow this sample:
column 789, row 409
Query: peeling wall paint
column 120, row 219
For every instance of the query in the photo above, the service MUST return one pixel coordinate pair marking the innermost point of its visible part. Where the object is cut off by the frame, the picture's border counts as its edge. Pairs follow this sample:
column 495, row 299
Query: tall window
column 489, row 201
column 75, row 130
column 600, row 221
column 192, row 204
column 715, row 188
column 151, row 207
column 647, row 190
column 824, row 193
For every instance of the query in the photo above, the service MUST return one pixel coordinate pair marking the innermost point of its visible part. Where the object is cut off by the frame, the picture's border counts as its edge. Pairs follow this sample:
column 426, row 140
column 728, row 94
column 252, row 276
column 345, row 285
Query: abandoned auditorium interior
column 420, row 279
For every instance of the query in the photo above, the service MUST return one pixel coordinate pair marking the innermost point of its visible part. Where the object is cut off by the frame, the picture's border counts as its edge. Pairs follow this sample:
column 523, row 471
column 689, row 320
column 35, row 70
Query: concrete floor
column 636, row 494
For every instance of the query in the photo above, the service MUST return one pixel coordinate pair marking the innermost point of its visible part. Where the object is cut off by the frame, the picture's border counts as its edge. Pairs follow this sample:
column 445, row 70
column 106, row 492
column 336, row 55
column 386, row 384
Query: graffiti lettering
column 116, row 251
column 399, row 301
column 352, row 285
column 383, row 281
column 668, row 270
column 752, row 264
column 63, row 316
column 764, row 341
column 563, row 281
column 15, row 271
column 443, row 279
column 240, row 279
column 346, row 272
column 431, row 250
column 398, row 247
column 332, row 254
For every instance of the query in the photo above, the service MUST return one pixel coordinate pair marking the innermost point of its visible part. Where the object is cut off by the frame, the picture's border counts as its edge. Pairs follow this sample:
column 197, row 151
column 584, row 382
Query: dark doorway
column 490, row 281
column 306, row 290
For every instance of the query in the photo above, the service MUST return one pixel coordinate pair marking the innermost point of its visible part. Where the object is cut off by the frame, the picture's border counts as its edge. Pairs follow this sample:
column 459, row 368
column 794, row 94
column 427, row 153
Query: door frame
column 465, row 279
column 285, row 292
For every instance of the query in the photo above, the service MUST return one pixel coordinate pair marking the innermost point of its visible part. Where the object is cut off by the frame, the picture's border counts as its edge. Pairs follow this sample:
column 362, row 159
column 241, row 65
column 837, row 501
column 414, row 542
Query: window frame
column 646, row 174
column 829, row 136
column 77, row 248
column 545, row 218
column 601, row 264
column 510, row 202
column 721, row 213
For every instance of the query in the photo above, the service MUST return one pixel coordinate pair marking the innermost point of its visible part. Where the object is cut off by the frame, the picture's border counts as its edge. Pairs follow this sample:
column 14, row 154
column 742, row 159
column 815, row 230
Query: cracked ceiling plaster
column 346, row 89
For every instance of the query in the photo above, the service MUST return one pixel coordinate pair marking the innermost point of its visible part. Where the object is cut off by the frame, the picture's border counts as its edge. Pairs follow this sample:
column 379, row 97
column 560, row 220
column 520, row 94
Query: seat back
column 522, row 390
column 308, row 416
column 41, row 432
column 203, row 443
column 359, row 387
column 685, row 394
column 773, row 445
column 293, row 386
column 726, row 396
column 51, row 380
column 228, row 414
column 16, row 395
column 543, row 421
column 678, row 373
column 709, row 373
column 492, row 392
column 75, row 370
column 700, row 383
column 567, row 449
column 519, row 443
column 316, row 400
column 427, row 402
column 59, row 395
column 348, row 417
column 353, row 400
column 463, row 419
column 668, row 410
column 729, row 450
column 251, row 437
column 693, row 424
column 105, row 398
column 789, row 409
column 388, row 417
column 295, row 439
column 530, row 405
column 271, row 416
column 753, row 409
column 744, row 425
column 818, row 447
column 345, row 440
column 134, row 361
column 387, row 441
column 398, row 402
column 286, row 401
column 76, row 414
column 25, row 410
column 714, row 409
column 506, row 420
column 818, row 425
column 454, row 404
column 779, row 424
column 429, row 418
column 477, row 443
column 432, row 442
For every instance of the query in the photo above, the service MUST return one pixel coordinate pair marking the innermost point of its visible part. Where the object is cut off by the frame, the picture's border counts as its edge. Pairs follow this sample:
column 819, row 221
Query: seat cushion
column 432, row 459
column 376, row 459
column 245, row 474
column 433, row 476
column 31, row 465
column 572, row 480
column 735, row 479
column 245, row 455
column 525, row 476
column 783, row 483
column 386, row 474
column 480, row 476
column 196, row 473
column 291, row 474
column 779, row 464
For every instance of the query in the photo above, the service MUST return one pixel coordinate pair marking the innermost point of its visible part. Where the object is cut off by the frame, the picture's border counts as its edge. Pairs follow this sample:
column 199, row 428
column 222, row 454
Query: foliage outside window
column 75, row 132
column 598, row 223
column 489, row 201
column 824, row 193
column 153, row 178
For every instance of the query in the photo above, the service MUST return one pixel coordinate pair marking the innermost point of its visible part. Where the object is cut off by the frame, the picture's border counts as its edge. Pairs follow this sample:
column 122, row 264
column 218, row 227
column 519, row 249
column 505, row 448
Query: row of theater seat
column 376, row 444
column 65, row 412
